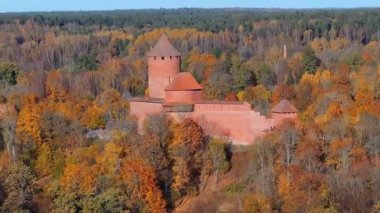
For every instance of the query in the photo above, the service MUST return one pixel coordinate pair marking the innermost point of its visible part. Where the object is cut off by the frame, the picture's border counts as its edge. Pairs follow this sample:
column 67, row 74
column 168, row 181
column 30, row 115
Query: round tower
column 164, row 62
column 282, row 111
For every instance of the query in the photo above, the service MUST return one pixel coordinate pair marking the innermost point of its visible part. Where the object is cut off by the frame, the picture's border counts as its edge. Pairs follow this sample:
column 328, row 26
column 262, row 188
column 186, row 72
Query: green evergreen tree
column 310, row 61
column 8, row 74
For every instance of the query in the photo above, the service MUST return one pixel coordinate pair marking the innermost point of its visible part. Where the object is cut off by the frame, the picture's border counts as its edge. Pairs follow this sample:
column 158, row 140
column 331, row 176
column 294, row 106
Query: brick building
column 179, row 95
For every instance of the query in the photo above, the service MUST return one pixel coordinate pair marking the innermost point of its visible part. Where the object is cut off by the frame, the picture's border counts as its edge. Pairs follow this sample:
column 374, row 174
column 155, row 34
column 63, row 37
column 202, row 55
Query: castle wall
column 234, row 122
column 215, row 106
column 161, row 72
column 141, row 109
column 231, row 121
column 183, row 96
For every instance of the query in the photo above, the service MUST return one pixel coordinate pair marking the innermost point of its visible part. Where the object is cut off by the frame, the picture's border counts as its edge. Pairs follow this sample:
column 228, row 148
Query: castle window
column 170, row 57
column 162, row 58
column 154, row 58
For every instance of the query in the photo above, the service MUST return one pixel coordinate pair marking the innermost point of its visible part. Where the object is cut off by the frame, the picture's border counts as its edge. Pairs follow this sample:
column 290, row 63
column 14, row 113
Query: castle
column 179, row 95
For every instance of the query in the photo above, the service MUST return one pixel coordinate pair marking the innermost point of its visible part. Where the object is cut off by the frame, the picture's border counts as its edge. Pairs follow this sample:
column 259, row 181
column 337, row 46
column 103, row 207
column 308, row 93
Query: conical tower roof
column 284, row 107
column 163, row 48
column 183, row 81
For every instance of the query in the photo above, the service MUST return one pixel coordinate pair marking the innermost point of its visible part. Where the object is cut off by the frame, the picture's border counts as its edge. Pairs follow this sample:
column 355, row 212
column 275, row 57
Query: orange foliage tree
column 201, row 65
column 142, row 180
column 186, row 151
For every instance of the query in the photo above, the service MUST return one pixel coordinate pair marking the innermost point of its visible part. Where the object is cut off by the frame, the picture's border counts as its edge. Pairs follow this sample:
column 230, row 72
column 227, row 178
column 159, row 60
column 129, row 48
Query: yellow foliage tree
column 257, row 203
column 78, row 179
column 109, row 159
column 94, row 117
column 45, row 161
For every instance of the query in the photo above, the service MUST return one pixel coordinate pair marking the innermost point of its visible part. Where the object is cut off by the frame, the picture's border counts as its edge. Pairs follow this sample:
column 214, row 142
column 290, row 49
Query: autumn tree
column 87, row 62
column 265, row 76
column 77, row 182
column 9, row 137
column 262, row 169
column 310, row 149
column 20, row 190
column 367, row 129
column 142, row 181
column 256, row 203
column 201, row 65
column 115, row 107
column 108, row 162
column 78, row 179
column 110, row 201
column 259, row 97
column 218, row 86
column 289, row 138
column 283, row 91
column 186, row 152
column 242, row 74
column 342, row 79
column 94, row 117
column 45, row 161
column 304, row 90
column 59, row 131
column 350, row 194
column 295, row 65
column 28, row 123
column 216, row 159
column 56, row 86
column 154, row 148
column 353, row 60
column 157, row 125
column 319, row 44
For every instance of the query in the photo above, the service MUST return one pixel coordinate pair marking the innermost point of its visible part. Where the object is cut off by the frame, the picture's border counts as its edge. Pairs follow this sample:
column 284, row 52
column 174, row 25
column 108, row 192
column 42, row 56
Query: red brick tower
column 283, row 110
column 164, row 62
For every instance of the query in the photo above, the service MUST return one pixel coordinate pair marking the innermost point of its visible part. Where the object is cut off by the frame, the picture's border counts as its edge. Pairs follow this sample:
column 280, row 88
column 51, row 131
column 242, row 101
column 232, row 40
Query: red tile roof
column 163, row 48
column 284, row 107
column 183, row 81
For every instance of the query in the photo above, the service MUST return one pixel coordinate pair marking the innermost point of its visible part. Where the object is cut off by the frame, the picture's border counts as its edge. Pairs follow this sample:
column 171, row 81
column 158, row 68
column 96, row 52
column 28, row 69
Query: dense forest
column 65, row 79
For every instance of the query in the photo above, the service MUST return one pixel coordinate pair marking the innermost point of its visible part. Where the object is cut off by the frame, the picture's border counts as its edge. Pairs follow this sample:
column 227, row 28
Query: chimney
column 285, row 52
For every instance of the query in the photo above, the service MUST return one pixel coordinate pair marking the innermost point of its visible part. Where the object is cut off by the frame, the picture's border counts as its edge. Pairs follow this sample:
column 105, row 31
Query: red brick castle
column 179, row 95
